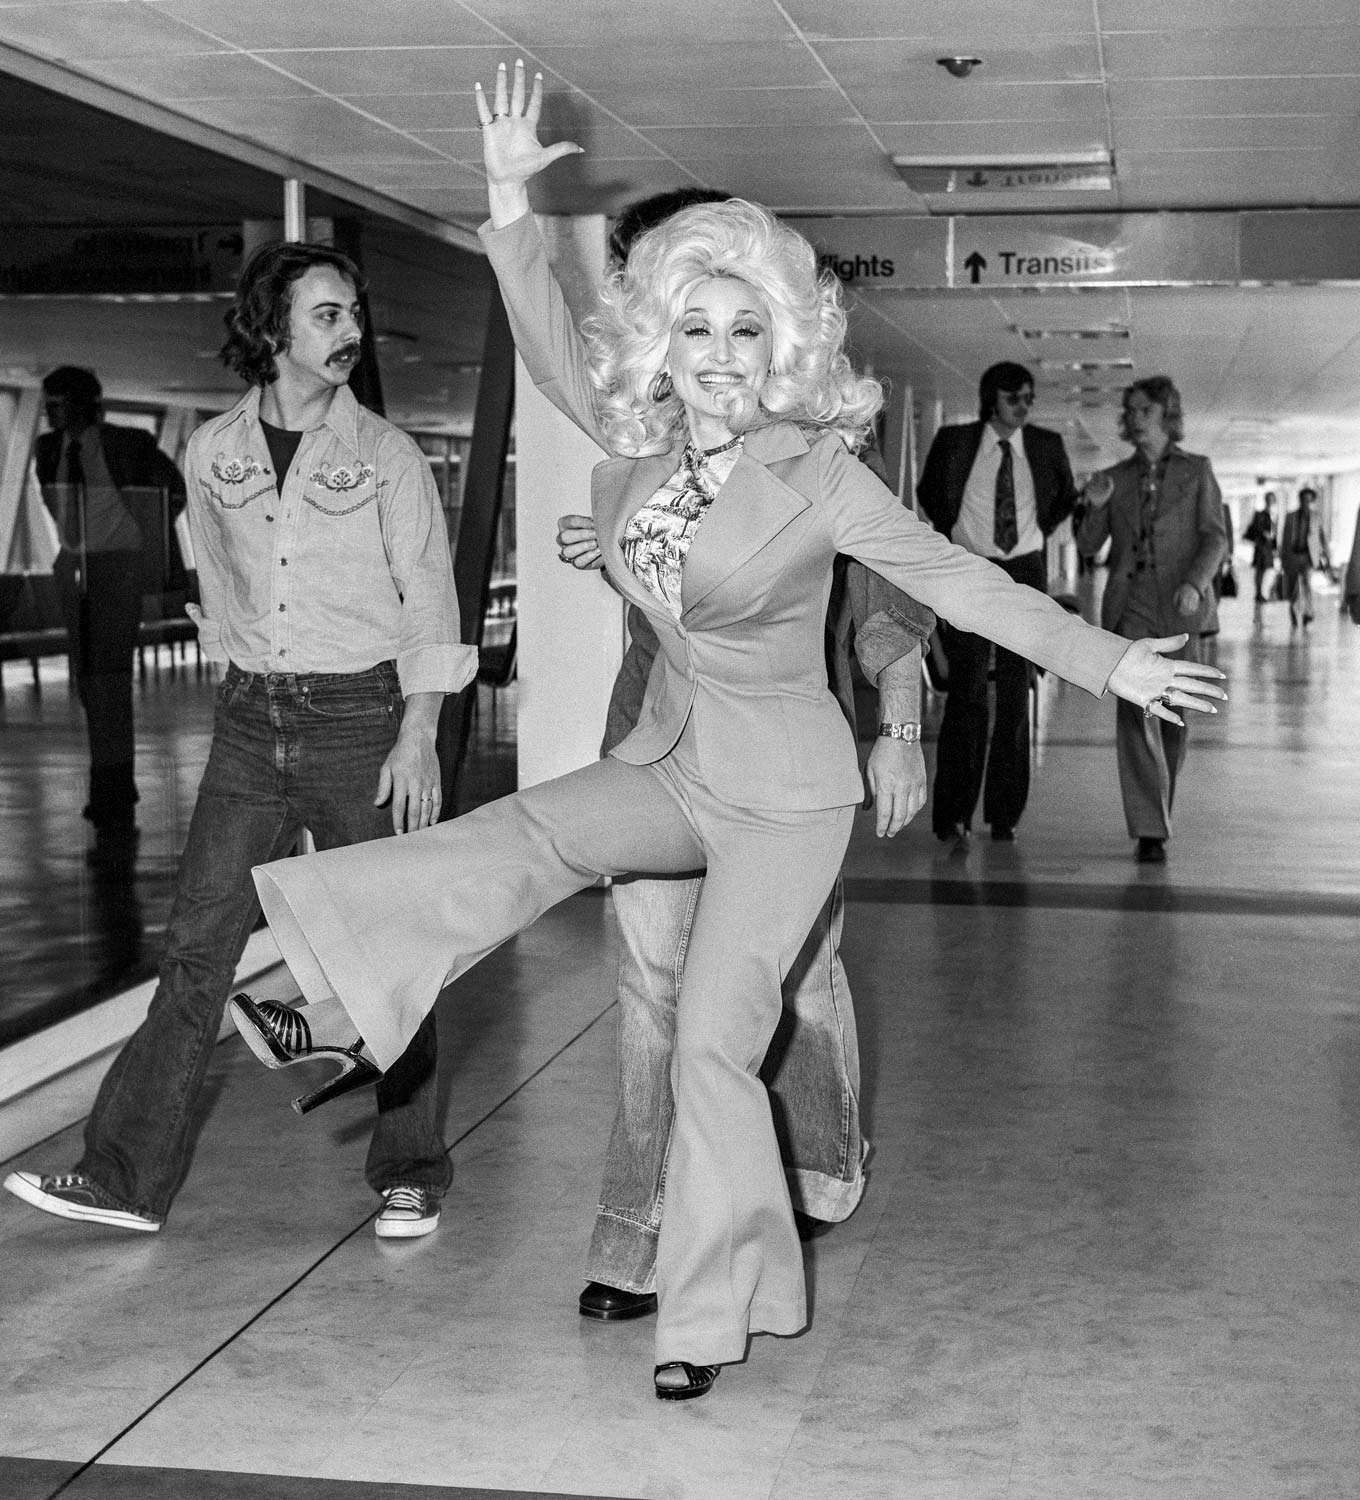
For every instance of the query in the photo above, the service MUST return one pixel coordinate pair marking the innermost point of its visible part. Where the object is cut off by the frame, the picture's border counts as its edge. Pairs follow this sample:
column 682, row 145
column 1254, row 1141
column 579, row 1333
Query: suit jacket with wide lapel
column 950, row 461
column 744, row 663
column 1189, row 539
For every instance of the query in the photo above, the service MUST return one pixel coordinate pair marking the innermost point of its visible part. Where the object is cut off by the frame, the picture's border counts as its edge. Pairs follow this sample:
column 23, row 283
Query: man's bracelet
column 911, row 733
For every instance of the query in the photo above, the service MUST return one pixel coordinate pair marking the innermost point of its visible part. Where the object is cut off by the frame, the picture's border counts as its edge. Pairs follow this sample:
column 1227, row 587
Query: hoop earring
column 662, row 387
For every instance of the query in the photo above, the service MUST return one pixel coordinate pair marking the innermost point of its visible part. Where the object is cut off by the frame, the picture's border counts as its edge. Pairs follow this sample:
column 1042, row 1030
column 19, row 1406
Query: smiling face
column 720, row 345
column 324, row 328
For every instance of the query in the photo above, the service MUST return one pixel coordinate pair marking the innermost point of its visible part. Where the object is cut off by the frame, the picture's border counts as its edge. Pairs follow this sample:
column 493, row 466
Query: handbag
column 1228, row 582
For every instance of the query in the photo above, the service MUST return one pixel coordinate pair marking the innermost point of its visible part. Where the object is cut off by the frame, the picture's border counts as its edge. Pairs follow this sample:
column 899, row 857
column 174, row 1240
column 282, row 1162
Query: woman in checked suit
column 713, row 377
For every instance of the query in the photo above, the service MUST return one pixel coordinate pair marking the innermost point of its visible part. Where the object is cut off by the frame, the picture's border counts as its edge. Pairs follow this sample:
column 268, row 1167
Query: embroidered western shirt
column 339, row 564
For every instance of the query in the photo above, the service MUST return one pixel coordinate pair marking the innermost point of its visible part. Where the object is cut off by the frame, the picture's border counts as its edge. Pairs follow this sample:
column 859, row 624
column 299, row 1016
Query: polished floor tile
column 1108, row 1249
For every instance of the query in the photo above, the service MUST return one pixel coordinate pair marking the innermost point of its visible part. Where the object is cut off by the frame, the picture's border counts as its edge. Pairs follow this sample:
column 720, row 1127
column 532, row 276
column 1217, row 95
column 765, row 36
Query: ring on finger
column 1163, row 698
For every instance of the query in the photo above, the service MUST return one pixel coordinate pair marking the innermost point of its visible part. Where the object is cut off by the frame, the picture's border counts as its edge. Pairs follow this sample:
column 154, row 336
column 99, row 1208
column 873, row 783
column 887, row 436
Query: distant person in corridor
column 998, row 487
column 1162, row 512
column 1303, row 547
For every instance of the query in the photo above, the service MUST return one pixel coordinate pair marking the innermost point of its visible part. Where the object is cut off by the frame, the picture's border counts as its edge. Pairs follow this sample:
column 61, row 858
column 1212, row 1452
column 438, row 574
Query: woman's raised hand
column 510, row 146
column 1159, row 684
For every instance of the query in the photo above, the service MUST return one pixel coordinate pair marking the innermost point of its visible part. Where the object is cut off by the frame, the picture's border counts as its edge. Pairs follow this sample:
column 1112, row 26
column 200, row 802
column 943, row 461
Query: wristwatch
column 911, row 733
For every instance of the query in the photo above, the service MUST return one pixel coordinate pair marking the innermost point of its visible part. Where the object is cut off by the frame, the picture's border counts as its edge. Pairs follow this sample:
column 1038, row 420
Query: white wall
column 570, row 624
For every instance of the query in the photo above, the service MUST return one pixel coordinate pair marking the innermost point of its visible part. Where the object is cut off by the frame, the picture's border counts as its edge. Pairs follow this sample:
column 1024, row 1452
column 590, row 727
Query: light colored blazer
column 1188, row 535
column 745, row 658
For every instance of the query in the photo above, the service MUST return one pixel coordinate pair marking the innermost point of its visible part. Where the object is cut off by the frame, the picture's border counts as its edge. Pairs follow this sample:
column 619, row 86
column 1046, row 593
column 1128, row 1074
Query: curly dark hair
column 78, row 387
column 647, row 213
column 257, row 322
column 1006, row 376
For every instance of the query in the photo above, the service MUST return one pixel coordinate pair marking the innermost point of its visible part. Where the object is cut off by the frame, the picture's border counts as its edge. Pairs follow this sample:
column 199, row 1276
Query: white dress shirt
column 975, row 528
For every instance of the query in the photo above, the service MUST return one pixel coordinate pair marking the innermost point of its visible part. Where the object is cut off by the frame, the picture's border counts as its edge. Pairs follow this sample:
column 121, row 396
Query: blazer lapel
column 752, row 508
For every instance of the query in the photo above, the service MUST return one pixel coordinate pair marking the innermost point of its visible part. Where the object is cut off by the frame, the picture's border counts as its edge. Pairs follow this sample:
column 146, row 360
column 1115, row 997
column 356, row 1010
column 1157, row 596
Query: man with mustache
column 327, row 595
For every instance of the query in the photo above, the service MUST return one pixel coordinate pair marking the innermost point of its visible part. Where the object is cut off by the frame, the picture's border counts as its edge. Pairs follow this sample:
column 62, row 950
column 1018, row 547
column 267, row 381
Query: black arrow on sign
column 976, row 264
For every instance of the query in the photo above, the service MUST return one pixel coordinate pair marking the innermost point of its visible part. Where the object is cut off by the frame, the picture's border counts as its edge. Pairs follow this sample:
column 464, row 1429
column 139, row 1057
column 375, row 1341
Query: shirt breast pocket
column 342, row 489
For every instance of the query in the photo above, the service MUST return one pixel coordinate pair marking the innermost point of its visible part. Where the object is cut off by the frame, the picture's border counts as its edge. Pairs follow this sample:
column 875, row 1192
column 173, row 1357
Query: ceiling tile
column 445, row 113
column 942, row 102
column 962, row 22
column 1222, row 179
column 256, row 24
column 98, row 28
column 1261, row 52
column 1233, row 96
column 701, row 23
column 1228, row 132
column 975, row 139
column 1205, row 15
column 308, row 128
column 681, row 66
column 642, row 105
column 599, row 141
column 396, row 70
column 218, row 75
column 788, row 147
column 910, row 64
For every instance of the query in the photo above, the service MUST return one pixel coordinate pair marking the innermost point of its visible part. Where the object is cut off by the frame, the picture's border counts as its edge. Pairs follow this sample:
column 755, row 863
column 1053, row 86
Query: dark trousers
column 972, row 741
column 288, row 753
column 102, row 609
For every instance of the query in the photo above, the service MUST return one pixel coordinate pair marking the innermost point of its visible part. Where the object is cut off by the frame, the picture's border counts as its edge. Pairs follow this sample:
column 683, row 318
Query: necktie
column 75, row 494
column 1007, row 530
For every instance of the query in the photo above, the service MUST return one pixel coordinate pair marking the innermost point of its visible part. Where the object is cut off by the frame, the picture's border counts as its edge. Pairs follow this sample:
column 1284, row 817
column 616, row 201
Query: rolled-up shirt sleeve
column 431, row 657
column 888, row 623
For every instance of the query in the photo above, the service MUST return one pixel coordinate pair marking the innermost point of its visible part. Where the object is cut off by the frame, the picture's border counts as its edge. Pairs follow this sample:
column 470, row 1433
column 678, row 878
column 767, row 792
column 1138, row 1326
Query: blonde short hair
column 810, row 382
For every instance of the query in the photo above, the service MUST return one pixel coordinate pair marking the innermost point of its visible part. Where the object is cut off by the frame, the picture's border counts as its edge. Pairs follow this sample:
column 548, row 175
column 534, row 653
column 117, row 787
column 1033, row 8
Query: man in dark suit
column 85, row 468
column 999, row 488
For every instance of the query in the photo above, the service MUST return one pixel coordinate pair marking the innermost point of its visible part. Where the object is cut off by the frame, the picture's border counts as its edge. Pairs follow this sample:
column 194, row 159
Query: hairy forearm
column 899, row 690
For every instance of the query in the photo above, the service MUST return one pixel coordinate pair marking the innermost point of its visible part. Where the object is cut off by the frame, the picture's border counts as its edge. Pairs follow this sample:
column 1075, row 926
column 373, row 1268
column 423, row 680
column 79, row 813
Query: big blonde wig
column 810, row 381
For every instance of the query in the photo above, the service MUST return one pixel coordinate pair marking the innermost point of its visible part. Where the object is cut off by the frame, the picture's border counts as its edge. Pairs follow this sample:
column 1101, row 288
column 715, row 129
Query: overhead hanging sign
column 997, row 251
column 1108, row 249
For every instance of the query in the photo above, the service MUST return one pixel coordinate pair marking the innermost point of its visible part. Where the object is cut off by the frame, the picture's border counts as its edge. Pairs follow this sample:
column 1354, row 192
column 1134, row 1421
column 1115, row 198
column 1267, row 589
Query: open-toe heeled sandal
column 698, row 1380
column 280, row 1036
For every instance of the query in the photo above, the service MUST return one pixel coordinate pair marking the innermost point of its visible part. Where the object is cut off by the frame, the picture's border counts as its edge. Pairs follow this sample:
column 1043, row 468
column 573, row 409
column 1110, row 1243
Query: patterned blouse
column 657, row 538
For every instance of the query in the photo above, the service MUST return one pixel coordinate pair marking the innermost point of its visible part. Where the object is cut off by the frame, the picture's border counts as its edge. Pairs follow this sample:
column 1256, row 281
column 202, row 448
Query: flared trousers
column 385, row 926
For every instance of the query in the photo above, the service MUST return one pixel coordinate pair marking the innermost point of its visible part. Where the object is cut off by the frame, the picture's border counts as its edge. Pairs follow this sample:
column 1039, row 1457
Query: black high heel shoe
column 280, row 1036
column 698, row 1381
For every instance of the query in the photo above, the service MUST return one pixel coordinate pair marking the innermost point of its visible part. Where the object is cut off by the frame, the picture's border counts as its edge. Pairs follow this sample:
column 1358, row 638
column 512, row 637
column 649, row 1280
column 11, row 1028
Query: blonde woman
column 715, row 380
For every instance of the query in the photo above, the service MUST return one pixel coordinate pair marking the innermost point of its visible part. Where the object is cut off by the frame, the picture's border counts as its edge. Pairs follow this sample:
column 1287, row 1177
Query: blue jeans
column 288, row 752
column 811, row 1071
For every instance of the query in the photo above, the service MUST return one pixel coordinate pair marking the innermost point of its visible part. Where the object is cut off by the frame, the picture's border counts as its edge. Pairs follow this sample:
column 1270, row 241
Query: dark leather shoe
column 1003, row 833
column 955, row 833
column 611, row 1304
column 1151, row 852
